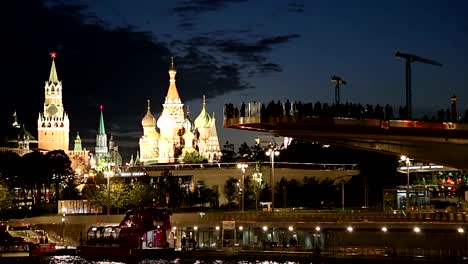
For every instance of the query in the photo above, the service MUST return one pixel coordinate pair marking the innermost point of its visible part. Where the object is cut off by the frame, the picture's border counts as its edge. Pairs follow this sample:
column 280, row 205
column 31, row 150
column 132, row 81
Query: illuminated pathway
column 433, row 141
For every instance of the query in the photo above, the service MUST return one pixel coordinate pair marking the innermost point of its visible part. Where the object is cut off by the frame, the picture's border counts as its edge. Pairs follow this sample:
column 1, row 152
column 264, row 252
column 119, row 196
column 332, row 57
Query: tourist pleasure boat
column 142, row 233
column 23, row 241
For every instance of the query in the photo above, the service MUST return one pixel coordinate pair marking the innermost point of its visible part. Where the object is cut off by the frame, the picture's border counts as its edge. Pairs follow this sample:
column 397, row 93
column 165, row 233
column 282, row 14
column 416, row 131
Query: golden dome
column 148, row 120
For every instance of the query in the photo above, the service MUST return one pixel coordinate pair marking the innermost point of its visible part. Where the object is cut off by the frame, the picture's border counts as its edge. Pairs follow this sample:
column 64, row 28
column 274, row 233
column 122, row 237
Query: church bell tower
column 53, row 125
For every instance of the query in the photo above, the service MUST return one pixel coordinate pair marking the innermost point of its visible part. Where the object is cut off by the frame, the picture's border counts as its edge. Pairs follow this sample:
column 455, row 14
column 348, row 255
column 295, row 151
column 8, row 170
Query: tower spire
column 101, row 150
column 102, row 129
column 15, row 123
column 53, row 72
column 172, row 68
column 172, row 93
column 149, row 105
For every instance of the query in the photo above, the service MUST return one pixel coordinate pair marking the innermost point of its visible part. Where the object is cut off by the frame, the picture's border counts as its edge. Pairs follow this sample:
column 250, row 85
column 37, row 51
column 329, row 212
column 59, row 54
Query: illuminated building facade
column 53, row 125
column 177, row 134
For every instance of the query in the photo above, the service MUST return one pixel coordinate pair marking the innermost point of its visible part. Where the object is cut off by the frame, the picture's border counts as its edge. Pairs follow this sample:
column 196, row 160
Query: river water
column 79, row 260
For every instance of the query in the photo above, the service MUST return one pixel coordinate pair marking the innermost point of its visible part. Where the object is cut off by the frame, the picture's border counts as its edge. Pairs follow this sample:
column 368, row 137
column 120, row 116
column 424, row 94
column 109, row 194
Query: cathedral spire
column 214, row 133
column 172, row 93
column 53, row 72
column 102, row 129
column 172, row 68
column 15, row 123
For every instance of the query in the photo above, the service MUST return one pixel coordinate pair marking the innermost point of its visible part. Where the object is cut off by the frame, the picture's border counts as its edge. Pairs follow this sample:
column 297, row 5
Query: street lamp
column 408, row 163
column 242, row 166
column 64, row 213
column 109, row 174
column 272, row 152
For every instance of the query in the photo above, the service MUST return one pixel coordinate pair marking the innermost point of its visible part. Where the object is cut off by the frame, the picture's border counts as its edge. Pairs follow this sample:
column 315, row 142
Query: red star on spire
column 101, row 107
column 53, row 54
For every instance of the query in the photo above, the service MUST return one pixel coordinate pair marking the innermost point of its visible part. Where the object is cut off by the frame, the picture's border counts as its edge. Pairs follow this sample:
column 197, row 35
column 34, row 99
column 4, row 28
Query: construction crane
column 338, row 82
column 409, row 59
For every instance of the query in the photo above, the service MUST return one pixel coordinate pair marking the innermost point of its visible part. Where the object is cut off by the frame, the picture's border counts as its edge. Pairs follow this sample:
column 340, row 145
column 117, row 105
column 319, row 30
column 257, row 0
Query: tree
column 229, row 155
column 6, row 199
column 118, row 193
column 255, row 183
column 206, row 196
column 168, row 185
column 257, row 153
column 9, row 164
column 231, row 189
column 193, row 158
column 32, row 175
column 245, row 152
column 58, row 169
column 95, row 196
column 141, row 195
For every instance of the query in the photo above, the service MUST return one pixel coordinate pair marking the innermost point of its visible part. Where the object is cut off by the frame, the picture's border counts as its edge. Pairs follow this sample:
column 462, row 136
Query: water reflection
column 79, row 260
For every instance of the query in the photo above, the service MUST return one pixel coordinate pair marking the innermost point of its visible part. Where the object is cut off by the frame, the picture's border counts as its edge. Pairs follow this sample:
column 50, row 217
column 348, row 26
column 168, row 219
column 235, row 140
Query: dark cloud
column 251, row 54
column 269, row 67
column 296, row 7
column 189, row 11
column 119, row 67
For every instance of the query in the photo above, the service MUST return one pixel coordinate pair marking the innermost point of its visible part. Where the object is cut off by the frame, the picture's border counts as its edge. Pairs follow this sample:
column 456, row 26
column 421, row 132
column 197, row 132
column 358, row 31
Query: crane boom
column 409, row 59
column 412, row 58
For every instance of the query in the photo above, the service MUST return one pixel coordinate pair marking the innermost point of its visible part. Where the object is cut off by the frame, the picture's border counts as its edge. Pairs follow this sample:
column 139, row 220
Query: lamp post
column 242, row 166
column 407, row 161
column 109, row 164
column 64, row 213
column 272, row 152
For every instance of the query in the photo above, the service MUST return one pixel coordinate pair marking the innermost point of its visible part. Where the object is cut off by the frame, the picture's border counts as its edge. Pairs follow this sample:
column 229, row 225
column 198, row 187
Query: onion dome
column 166, row 121
column 203, row 120
column 148, row 120
column 188, row 135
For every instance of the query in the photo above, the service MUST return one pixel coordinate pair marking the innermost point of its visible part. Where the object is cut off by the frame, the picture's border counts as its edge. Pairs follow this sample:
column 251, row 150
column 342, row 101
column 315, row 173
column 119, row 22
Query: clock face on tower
column 52, row 110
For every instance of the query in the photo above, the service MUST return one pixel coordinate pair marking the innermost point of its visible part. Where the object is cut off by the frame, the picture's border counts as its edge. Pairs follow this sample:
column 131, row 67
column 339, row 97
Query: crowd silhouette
column 299, row 110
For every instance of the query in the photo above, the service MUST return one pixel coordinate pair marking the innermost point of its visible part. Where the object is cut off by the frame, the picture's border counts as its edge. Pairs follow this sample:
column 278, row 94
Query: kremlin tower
column 53, row 125
column 177, row 134
column 101, row 150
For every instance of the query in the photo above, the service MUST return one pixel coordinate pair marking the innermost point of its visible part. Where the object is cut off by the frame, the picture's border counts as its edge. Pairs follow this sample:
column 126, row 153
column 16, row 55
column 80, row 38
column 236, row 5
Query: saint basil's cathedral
column 177, row 136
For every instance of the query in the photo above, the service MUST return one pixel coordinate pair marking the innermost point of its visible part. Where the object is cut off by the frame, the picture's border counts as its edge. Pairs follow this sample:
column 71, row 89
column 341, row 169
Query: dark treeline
column 300, row 110
column 377, row 172
column 36, row 180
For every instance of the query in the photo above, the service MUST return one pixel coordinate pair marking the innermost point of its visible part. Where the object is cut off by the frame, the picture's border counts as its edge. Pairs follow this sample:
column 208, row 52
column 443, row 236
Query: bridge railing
column 393, row 216
column 256, row 112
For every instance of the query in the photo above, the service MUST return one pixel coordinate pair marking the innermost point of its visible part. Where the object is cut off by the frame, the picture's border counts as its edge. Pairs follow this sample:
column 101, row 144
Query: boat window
column 116, row 232
column 98, row 233
column 92, row 233
column 108, row 232
column 130, row 220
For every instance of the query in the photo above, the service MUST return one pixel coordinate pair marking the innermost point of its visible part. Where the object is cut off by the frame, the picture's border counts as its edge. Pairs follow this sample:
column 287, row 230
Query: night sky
column 117, row 53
